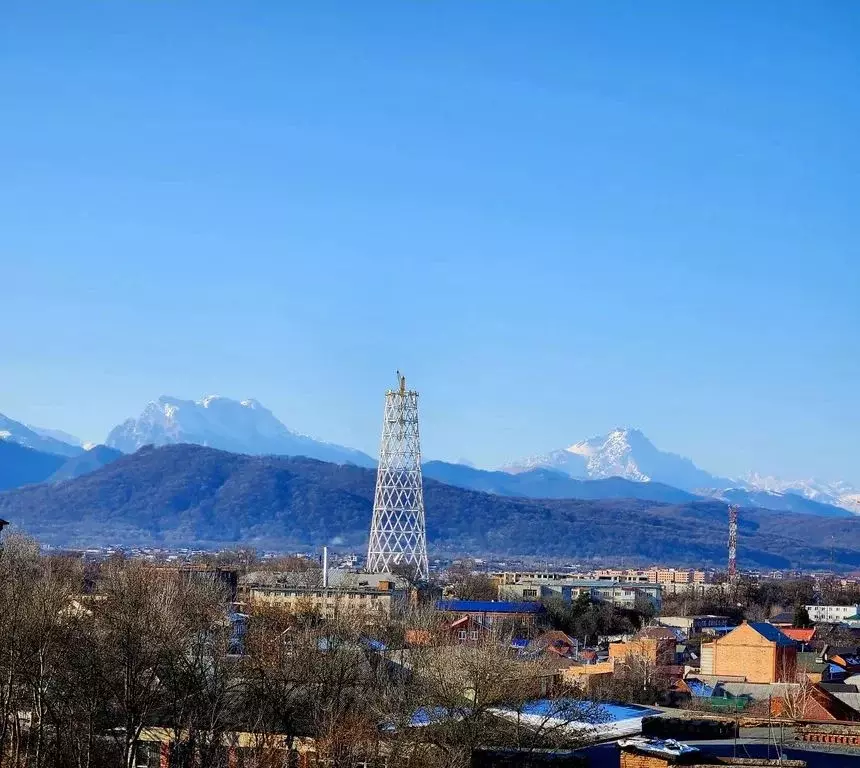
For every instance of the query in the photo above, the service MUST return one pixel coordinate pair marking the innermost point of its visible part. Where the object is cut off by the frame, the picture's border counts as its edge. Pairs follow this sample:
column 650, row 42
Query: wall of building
column 327, row 602
column 747, row 654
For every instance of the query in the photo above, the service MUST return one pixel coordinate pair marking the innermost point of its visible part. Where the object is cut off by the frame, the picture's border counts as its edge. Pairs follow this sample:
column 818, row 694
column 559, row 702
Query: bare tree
column 469, row 584
column 447, row 700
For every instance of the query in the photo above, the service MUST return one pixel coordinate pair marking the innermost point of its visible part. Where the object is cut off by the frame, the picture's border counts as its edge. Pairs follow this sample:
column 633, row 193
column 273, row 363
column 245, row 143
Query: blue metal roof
column 373, row 645
column 770, row 632
column 700, row 689
column 488, row 606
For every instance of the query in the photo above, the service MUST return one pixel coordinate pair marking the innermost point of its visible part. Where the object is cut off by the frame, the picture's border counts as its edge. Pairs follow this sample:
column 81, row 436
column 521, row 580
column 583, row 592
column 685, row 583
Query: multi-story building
column 626, row 575
column 694, row 625
column 379, row 594
column 653, row 575
column 831, row 614
column 502, row 578
column 620, row 594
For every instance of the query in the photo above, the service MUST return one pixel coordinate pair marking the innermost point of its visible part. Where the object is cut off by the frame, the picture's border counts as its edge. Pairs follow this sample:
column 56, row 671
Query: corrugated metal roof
column 699, row 688
column 488, row 606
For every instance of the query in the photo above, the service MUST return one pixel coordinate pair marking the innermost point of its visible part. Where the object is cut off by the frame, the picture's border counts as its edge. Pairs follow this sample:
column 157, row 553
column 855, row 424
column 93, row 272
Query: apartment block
column 831, row 614
column 619, row 594
column 380, row 594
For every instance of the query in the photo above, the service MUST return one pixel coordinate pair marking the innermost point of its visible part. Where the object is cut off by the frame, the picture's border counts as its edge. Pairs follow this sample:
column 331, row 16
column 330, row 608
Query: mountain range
column 219, row 422
column 629, row 454
column 621, row 464
column 188, row 495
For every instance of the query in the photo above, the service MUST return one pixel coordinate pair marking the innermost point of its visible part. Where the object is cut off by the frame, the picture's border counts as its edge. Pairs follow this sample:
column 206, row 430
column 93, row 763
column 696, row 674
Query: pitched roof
column 699, row 688
column 488, row 606
column 770, row 632
column 784, row 617
column 799, row 635
column 809, row 662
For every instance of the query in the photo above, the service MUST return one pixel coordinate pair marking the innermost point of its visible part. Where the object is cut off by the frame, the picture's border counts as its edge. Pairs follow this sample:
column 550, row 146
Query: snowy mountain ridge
column 219, row 422
column 16, row 432
column 839, row 493
column 628, row 453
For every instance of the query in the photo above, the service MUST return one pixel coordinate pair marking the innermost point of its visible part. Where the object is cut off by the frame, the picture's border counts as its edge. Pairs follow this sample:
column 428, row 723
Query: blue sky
column 554, row 217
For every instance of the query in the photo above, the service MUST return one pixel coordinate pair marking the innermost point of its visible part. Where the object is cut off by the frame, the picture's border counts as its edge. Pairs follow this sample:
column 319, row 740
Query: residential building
column 653, row 575
column 588, row 675
column 831, row 614
column 817, row 702
column 495, row 614
column 627, row 575
column 380, row 594
column 467, row 629
column 754, row 652
column 695, row 625
column 619, row 594
column 655, row 645
column 501, row 578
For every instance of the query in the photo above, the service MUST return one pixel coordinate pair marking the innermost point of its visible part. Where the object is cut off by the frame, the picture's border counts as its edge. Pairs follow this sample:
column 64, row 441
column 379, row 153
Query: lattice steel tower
column 397, row 533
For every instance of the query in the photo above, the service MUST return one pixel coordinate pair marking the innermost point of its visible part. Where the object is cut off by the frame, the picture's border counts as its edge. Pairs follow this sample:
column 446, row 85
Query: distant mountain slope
column 57, row 434
column 191, row 495
column 219, row 422
column 16, row 432
column 551, row 484
column 21, row 466
column 90, row 460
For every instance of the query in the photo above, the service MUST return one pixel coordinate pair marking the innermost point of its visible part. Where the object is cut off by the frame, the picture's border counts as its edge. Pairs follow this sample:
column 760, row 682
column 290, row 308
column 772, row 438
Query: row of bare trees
column 81, row 676
column 150, row 655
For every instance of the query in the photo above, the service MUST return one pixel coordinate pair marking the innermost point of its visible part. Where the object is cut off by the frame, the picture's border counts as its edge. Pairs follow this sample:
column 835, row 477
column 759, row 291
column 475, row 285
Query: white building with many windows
column 831, row 614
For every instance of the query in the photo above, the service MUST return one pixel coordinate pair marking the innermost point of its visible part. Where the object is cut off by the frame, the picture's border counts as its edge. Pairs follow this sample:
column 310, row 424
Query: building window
column 474, row 634
column 462, row 634
column 529, row 593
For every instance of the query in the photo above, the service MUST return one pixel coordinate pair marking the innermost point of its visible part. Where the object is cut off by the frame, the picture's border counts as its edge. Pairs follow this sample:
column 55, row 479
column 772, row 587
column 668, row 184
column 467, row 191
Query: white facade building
column 831, row 614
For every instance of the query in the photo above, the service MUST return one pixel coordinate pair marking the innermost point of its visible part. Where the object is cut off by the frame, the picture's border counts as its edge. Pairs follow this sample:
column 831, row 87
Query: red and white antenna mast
column 733, row 541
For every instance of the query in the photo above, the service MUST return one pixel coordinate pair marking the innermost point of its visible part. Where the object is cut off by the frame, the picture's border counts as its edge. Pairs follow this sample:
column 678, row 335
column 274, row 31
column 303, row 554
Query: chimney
column 325, row 567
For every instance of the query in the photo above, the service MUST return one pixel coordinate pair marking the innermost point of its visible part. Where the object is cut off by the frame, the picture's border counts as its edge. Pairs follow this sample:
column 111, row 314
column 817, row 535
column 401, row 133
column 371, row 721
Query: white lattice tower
column 397, row 533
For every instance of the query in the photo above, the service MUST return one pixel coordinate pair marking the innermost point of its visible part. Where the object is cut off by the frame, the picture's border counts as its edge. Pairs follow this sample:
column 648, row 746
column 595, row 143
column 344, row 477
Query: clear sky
column 555, row 217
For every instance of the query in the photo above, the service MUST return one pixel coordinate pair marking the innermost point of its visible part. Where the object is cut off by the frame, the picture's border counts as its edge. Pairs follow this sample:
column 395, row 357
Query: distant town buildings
column 628, row 595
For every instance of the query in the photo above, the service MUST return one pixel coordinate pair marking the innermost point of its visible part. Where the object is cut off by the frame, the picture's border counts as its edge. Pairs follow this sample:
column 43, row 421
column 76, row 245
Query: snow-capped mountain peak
column 219, row 422
column 624, row 452
column 613, row 455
